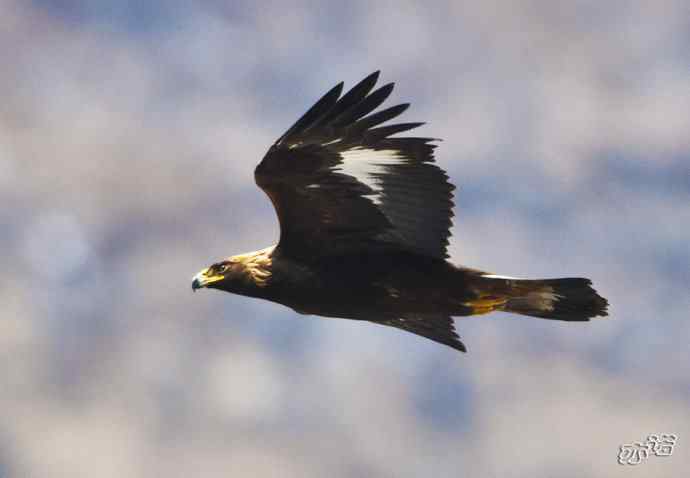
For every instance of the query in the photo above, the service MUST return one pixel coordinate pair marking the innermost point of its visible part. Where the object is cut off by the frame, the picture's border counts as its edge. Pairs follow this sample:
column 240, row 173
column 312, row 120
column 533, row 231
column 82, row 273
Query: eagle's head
column 243, row 274
column 220, row 275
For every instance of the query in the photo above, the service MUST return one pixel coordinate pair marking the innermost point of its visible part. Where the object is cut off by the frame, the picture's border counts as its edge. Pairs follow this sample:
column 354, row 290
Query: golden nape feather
column 257, row 265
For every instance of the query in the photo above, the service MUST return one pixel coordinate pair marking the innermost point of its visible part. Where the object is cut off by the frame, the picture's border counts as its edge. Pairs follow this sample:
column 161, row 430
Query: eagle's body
column 363, row 286
column 365, row 221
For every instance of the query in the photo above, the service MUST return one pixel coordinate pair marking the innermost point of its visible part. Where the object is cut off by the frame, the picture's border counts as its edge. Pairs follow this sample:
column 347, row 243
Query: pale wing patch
column 368, row 165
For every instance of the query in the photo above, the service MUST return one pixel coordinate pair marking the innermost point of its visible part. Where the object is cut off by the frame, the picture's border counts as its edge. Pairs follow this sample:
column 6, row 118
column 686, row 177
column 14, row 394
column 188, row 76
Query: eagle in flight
column 364, row 225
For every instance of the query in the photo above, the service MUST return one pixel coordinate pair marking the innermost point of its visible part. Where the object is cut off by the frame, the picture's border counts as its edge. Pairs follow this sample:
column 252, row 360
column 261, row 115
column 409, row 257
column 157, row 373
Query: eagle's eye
column 222, row 268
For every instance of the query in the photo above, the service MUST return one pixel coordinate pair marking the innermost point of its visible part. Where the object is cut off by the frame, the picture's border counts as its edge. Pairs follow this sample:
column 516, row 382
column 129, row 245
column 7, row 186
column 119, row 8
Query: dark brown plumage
column 364, row 224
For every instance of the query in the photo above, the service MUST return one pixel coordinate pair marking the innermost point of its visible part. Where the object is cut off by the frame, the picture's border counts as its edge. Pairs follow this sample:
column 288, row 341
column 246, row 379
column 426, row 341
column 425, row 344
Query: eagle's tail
column 571, row 299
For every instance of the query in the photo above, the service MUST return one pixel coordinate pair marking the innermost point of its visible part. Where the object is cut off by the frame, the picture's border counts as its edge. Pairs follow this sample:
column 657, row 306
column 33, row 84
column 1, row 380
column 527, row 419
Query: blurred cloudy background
column 128, row 136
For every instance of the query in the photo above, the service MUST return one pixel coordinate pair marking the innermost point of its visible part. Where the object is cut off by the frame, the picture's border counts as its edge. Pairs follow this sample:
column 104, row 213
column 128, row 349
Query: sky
column 129, row 132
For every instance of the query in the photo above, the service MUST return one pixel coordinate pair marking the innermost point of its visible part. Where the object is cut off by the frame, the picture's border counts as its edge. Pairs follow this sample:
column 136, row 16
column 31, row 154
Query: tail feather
column 569, row 299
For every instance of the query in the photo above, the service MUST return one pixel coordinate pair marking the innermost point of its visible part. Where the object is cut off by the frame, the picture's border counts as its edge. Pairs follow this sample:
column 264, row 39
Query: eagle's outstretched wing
column 437, row 327
column 340, row 183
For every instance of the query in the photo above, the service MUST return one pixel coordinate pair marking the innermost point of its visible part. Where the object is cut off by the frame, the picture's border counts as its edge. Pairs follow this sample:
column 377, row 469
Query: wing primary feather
column 380, row 117
column 376, row 134
column 364, row 107
column 320, row 108
column 356, row 94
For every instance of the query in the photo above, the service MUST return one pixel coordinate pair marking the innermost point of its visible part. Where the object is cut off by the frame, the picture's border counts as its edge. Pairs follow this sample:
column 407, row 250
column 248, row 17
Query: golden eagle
column 364, row 224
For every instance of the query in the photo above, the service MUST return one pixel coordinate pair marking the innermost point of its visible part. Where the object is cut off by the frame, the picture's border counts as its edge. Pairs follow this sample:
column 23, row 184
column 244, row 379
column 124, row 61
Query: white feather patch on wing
column 364, row 164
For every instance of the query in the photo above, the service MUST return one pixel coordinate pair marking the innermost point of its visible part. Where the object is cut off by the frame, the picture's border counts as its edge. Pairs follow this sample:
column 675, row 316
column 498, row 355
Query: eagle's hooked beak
column 203, row 279
column 196, row 283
